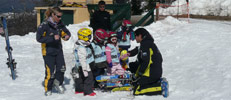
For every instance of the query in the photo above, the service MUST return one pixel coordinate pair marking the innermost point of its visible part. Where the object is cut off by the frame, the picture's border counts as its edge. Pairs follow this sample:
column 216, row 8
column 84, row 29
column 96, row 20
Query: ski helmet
column 100, row 35
column 122, row 53
column 85, row 34
column 126, row 23
column 113, row 37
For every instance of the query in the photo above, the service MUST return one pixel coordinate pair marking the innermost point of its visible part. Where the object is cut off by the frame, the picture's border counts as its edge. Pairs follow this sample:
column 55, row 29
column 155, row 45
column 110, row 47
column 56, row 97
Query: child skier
column 98, row 46
column 82, row 73
column 125, row 35
column 112, row 54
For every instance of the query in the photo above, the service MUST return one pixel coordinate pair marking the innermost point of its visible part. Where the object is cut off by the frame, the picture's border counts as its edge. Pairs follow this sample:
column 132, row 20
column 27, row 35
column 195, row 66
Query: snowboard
column 10, row 61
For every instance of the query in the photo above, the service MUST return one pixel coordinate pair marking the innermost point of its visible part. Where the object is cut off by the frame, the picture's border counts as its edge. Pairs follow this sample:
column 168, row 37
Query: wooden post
column 188, row 10
column 38, row 17
column 157, row 11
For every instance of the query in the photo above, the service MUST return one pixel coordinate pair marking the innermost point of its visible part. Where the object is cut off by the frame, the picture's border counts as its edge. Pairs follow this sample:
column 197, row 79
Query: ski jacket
column 149, row 59
column 125, row 37
column 112, row 54
column 45, row 35
column 100, row 19
column 99, row 52
column 83, row 55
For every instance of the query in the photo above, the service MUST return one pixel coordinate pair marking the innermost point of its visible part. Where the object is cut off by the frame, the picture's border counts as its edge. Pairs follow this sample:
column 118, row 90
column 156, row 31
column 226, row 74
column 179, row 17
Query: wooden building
column 71, row 15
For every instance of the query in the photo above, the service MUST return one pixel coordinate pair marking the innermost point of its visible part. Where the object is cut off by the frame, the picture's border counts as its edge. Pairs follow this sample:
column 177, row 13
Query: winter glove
column 85, row 73
column 124, row 56
column 66, row 37
column 110, row 65
column 135, row 81
column 139, row 74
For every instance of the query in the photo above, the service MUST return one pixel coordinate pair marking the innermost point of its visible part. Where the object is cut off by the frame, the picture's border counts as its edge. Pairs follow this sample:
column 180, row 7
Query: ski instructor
column 49, row 34
column 148, row 66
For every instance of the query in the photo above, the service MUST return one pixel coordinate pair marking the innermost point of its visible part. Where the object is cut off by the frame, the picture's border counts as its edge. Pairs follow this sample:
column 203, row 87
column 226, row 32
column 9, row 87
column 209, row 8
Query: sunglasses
column 58, row 16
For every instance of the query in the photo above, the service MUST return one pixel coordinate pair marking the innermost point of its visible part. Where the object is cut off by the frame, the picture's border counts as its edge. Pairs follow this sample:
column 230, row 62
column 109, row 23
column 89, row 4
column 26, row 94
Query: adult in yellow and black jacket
column 49, row 33
column 148, row 67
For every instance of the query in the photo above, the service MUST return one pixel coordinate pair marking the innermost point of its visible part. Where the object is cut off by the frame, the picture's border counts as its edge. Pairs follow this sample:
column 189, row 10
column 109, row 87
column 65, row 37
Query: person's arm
column 82, row 54
column 42, row 36
column 93, row 21
column 108, row 55
column 133, row 52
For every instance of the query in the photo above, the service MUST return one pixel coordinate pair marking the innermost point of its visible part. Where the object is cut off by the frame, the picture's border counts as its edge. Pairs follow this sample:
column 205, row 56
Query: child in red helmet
column 125, row 35
column 98, row 47
column 112, row 54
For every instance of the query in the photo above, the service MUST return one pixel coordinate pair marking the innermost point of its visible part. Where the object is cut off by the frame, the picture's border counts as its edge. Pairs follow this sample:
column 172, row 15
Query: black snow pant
column 153, row 88
column 54, row 69
column 98, row 69
column 143, row 85
column 84, row 84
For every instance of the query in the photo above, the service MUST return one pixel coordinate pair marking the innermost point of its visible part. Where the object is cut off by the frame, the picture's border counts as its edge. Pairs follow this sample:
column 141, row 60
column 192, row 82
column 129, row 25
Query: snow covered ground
column 196, row 63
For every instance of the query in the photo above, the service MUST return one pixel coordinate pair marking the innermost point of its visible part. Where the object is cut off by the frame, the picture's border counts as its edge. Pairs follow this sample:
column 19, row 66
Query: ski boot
column 165, row 87
column 58, row 87
column 48, row 93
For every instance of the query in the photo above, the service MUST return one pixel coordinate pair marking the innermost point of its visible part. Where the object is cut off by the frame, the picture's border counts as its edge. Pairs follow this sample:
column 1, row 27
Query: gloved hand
column 135, row 80
column 85, row 73
column 66, row 37
column 124, row 56
column 110, row 65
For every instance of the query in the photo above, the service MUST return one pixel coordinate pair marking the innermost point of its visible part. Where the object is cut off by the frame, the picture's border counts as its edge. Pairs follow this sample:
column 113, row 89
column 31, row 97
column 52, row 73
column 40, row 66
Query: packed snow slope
column 196, row 63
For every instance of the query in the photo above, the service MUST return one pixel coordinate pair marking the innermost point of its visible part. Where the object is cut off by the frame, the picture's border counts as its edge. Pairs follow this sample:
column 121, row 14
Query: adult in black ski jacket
column 148, row 67
column 49, row 34
column 100, row 18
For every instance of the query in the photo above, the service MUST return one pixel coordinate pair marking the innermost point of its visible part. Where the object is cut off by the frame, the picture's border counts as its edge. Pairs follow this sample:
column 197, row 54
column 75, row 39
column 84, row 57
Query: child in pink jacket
column 112, row 53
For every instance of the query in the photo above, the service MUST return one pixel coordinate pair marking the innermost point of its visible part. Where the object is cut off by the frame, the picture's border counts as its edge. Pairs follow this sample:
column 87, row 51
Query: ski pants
column 54, row 70
column 84, row 84
column 115, row 70
column 98, row 69
column 148, row 89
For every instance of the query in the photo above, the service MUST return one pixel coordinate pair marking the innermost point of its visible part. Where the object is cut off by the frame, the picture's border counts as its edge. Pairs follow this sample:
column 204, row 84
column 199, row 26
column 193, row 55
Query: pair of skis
column 115, row 82
column 10, row 61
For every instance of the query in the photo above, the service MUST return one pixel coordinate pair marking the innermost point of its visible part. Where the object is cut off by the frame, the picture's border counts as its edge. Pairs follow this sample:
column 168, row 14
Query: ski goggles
column 113, row 39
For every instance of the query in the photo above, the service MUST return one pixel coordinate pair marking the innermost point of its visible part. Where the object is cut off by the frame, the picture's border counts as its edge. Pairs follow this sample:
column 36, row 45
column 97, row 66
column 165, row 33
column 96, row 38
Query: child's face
column 114, row 39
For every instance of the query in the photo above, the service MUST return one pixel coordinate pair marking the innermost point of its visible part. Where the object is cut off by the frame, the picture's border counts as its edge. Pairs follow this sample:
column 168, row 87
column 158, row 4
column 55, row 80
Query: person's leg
column 119, row 70
column 49, row 72
column 79, row 82
column 88, row 82
column 148, row 89
column 60, row 68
